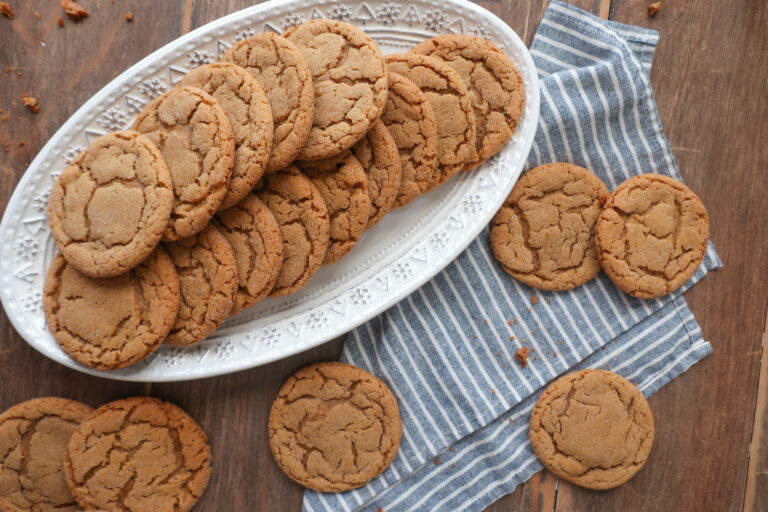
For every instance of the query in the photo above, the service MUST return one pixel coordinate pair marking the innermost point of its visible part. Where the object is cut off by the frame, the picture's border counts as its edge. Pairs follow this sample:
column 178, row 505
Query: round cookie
column 135, row 311
column 334, row 427
column 592, row 428
column 254, row 234
column 195, row 137
column 410, row 120
column 652, row 235
column 451, row 105
column 350, row 83
column 33, row 441
column 303, row 218
column 138, row 454
column 378, row 154
column 248, row 111
column 343, row 186
column 207, row 273
column 543, row 235
column 111, row 204
column 494, row 83
column 284, row 76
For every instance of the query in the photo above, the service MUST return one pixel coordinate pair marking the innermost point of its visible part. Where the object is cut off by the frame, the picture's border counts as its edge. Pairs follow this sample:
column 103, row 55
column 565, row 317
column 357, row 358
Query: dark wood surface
column 710, row 77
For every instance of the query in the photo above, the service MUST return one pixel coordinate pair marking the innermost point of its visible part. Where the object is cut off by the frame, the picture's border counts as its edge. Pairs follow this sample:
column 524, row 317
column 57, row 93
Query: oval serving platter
column 406, row 249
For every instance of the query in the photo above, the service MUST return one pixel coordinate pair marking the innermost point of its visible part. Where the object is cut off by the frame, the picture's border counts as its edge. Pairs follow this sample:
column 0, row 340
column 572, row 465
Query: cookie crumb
column 6, row 10
column 510, row 420
column 654, row 8
column 37, row 15
column 438, row 461
column 549, row 301
column 661, row 315
column 485, row 320
column 60, row 22
column 5, row 117
column 509, row 322
column 474, row 337
column 21, row 143
column 533, row 332
column 129, row 17
column 521, row 355
column 511, row 338
column 74, row 10
column 30, row 102
column 534, row 300
column 453, row 464
column 451, row 449
column 493, row 391
column 514, row 321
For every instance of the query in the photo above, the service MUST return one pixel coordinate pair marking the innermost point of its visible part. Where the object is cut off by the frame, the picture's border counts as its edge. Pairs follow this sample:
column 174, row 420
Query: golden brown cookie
column 207, row 273
column 33, row 441
column 111, row 204
column 255, row 236
column 378, row 154
column 284, row 76
column 112, row 322
column 343, row 185
column 195, row 137
column 303, row 217
column 250, row 115
column 544, row 233
column 409, row 118
column 451, row 105
column 334, row 427
column 592, row 428
column 350, row 83
column 652, row 235
column 138, row 454
column 494, row 84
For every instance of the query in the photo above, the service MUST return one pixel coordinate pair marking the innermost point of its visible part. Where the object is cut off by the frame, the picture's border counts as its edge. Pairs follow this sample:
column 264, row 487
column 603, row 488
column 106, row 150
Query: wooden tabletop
column 710, row 77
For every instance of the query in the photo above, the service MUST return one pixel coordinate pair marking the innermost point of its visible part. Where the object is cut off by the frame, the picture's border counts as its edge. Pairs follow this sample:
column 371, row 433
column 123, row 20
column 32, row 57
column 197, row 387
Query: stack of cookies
column 253, row 173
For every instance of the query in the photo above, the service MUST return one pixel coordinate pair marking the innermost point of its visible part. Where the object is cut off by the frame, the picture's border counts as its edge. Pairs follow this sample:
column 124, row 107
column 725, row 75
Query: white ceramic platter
column 407, row 248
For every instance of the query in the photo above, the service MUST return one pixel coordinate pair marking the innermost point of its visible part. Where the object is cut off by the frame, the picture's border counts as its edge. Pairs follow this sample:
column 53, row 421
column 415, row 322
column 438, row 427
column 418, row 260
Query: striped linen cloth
column 447, row 351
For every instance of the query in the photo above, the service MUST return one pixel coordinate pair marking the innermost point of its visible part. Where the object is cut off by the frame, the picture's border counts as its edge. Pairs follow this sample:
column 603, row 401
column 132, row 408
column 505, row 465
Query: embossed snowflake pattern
column 244, row 34
column 480, row 31
column 270, row 337
column 198, row 58
column 473, row 203
column 435, row 19
column 292, row 20
column 152, row 88
column 71, row 153
column 340, row 12
column 439, row 240
column 40, row 201
column 172, row 356
column 113, row 119
column 402, row 270
column 317, row 320
column 360, row 296
column 224, row 349
column 32, row 302
column 497, row 164
column 27, row 248
column 387, row 13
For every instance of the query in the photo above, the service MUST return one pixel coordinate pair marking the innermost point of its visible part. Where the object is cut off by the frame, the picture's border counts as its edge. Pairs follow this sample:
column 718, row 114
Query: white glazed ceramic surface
column 407, row 248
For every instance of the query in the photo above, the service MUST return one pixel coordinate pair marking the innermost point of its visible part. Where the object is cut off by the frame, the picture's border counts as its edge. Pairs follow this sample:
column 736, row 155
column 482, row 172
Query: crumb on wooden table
column 5, row 117
column 60, row 22
column 521, row 355
column 6, row 10
column 129, row 16
column 654, row 8
column 37, row 15
column 21, row 143
column 30, row 102
column 74, row 10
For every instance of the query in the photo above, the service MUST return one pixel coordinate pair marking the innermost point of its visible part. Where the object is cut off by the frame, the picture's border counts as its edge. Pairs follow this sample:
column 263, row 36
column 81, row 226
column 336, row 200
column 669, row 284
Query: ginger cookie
column 112, row 322
column 410, row 120
column 343, row 186
column 334, row 427
column 33, row 441
column 592, row 428
column 138, row 454
column 451, row 105
column 195, row 137
column 544, row 233
column 207, row 273
column 652, row 235
column 284, row 76
column 111, row 204
column 303, row 218
column 250, row 115
column 378, row 154
column 494, row 83
column 254, row 234
column 350, row 82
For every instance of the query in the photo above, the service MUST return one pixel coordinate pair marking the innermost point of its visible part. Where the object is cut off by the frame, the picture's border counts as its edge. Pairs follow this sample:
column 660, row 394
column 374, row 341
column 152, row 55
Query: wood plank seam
column 758, row 430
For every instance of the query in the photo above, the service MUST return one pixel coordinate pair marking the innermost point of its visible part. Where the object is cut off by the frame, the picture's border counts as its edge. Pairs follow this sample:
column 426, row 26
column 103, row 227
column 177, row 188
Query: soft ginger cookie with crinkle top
column 410, row 120
column 343, row 185
column 195, row 137
column 250, row 115
column 652, row 235
column 451, row 105
column 111, row 204
column 112, row 322
column 207, row 273
column 350, row 82
column 304, row 223
column 544, row 233
column 593, row 428
column 494, row 84
column 254, row 234
column 33, row 441
column 378, row 154
column 334, row 427
column 284, row 76
column 138, row 454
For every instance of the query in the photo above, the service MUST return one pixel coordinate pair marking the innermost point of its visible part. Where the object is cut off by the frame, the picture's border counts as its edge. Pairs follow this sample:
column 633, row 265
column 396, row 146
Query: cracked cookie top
column 333, row 427
column 111, row 204
column 139, row 455
column 250, row 115
column 544, row 233
column 33, row 441
column 350, row 83
column 592, row 428
column 652, row 235
column 113, row 322
column 195, row 137
column 494, row 84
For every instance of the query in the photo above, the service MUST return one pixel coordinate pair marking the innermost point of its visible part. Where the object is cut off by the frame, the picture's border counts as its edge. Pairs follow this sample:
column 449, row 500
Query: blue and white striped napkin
column 447, row 351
